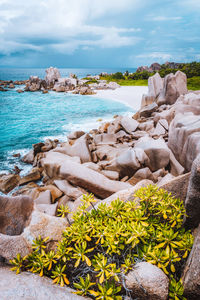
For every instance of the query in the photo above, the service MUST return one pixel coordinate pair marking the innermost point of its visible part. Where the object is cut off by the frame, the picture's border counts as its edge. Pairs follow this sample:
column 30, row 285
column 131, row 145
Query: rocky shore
column 54, row 82
column 160, row 144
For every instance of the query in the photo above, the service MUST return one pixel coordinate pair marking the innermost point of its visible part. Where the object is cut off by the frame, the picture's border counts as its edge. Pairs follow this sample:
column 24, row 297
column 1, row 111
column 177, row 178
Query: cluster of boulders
column 157, row 67
column 160, row 145
column 53, row 81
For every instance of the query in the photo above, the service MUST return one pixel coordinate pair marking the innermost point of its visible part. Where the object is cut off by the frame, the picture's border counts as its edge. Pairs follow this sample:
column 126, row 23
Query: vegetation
column 101, row 246
column 192, row 70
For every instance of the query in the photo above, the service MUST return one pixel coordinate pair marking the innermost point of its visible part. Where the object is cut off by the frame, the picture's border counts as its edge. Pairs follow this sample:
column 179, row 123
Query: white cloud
column 156, row 55
column 66, row 24
column 165, row 18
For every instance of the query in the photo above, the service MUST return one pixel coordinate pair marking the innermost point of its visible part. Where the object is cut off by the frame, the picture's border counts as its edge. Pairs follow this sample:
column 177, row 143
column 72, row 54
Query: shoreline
column 129, row 95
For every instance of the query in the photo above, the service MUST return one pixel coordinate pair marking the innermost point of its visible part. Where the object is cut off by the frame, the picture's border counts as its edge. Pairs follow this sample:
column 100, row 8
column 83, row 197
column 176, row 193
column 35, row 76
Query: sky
column 98, row 33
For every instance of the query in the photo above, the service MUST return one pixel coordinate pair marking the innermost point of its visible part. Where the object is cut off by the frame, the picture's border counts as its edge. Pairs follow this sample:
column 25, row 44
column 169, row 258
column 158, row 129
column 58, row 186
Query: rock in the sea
column 29, row 157
column 52, row 74
column 28, row 286
column 34, row 175
column 191, row 273
column 14, row 214
column 192, row 203
column 8, row 182
column 156, row 150
column 147, row 282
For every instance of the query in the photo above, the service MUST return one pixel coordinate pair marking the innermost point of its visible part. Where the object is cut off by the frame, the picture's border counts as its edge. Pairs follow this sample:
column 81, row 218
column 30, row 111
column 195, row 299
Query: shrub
column 101, row 246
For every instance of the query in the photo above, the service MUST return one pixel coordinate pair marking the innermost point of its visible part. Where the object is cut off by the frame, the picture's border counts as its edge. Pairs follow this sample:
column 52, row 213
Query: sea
column 28, row 118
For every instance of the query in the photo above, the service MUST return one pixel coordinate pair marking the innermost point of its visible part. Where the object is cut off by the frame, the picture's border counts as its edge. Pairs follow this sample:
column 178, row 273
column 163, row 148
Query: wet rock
column 8, row 182
column 14, row 214
column 34, row 175
column 29, row 157
column 147, row 281
column 75, row 135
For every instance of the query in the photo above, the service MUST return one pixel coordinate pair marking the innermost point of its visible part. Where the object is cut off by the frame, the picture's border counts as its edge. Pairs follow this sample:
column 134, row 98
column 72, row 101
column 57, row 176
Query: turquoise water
column 28, row 118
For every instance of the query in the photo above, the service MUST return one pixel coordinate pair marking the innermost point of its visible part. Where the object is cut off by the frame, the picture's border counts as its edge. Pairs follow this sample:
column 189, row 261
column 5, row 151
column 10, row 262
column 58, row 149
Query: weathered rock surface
column 192, row 202
column 174, row 86
column 29, row 157
column 14, row 214
column 80, row 148
column 191, row 274
column 128, row 162
column 129, row 124
column 177, row 186
column 8, row 182
column 10, row 246
column 34, row 175
column 148, row 110
column 81, row 176
column 52, row 74
column 156, row 150
column 184, row 138
column 28, row 286
column 147, row 282
column 69, row 190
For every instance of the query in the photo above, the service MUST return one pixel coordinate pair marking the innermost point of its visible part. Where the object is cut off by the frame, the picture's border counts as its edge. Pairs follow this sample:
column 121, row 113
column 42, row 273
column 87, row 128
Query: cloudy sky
column 98, row 33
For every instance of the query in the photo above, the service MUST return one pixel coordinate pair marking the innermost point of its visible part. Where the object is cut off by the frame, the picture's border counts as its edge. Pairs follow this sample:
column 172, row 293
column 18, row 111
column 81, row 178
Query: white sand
column 129, row 95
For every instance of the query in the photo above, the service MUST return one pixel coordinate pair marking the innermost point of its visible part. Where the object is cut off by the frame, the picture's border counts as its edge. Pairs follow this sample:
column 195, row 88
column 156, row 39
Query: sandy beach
column 129, row 95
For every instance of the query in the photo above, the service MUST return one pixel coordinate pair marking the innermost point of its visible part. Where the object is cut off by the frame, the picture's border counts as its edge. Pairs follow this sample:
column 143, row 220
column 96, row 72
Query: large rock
column 28, row 286
column 148, row 110
column 80, row 148
column 147, row 282
column 52, row 75
column 192, row 203
column 128, row 162
column 155, row 85
column 34, row 175
column 156, row 150
column 14, row 214
column 105, row 138
column 82, row 176
column 8, row 182
column 174, row 86
column 10, row 246
column 129, row 124
column 191, row 274
column 127, row 194
column 69, row 190
column 184, row 138
column 45, row 226
column 177, row 186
